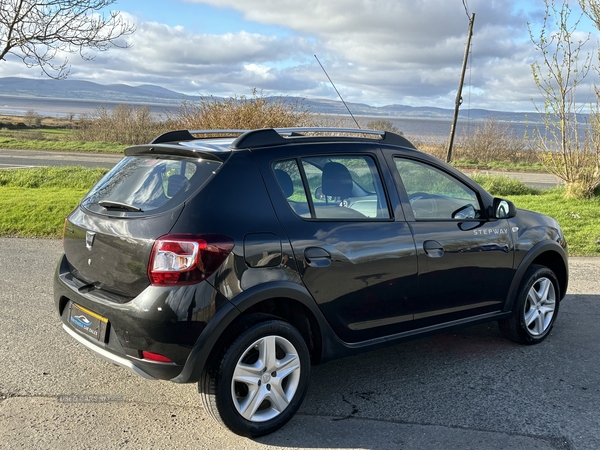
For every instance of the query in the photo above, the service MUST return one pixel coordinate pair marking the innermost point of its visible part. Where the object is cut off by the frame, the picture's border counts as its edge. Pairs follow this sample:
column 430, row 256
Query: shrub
column 32, row 119
column 124, row 124
column 384, row 125
column 241, row 113
column 503, row 186
column 492, row 141
column 434, row 149
column 578, row 163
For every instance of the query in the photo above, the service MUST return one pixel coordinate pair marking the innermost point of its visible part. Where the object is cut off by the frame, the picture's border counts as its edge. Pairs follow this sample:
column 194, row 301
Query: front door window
column 435, row 195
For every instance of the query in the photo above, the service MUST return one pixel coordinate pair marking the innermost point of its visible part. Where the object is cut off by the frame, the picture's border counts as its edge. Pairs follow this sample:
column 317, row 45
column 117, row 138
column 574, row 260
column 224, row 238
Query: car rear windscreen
column 139, row 185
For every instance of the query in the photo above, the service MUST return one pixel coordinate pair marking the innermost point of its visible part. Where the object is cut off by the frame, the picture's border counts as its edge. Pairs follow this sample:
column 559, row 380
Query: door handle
column 433, row 249
column 317, row 257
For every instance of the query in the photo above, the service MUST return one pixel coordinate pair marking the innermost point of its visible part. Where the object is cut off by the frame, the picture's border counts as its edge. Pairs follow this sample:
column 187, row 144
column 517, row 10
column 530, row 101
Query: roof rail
column 266, row 137
column 186, row 135
column 287, row 131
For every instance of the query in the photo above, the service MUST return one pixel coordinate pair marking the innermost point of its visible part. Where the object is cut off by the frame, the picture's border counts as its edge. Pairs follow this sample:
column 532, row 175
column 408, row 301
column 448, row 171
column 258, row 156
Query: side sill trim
column 118, row 360
column 432, row 329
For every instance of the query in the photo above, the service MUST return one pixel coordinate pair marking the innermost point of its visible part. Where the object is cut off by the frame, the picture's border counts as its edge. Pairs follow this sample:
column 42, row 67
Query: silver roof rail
column 266, row 137
column 287, row 131
column 232, row 131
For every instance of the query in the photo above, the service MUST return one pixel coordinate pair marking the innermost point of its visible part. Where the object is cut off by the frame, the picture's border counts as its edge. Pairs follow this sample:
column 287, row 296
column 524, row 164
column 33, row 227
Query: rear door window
column 141, row 185
column 335, row 187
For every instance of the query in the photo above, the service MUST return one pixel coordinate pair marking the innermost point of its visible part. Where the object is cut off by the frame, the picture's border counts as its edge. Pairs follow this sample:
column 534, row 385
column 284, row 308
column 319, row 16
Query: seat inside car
column 175, row 184
column 285, row 182
column 337, row 181
column 287, row 186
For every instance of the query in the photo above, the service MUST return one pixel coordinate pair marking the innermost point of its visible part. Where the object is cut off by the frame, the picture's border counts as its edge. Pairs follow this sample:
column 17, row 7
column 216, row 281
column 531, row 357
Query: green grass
column 65, row 177
column 60, row 145
column 28, row 212
column 53, row 139
column 579, row 219
column 502, row 186
column 36, row 133
column 35, row 202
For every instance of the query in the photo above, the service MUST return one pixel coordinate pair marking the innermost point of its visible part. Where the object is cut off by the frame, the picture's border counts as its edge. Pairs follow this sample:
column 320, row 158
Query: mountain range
column 78, row 90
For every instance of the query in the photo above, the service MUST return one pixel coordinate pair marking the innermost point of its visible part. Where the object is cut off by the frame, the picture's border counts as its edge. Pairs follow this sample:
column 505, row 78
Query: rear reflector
column 155, row 357
column 186, row 259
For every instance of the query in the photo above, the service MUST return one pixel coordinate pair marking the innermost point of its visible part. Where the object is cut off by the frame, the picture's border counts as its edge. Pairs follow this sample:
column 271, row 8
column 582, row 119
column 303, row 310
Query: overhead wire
column 466, row 6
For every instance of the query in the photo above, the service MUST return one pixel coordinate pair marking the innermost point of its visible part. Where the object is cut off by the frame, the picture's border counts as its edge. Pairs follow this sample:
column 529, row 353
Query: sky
column 378, row 52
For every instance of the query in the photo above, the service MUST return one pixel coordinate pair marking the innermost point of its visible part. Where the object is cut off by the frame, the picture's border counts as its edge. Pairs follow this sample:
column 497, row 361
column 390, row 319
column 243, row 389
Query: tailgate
column 113, row 253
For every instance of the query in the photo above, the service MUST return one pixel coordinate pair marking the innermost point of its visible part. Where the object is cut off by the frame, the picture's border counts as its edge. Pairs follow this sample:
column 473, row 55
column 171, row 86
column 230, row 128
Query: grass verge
column 579, row 219
column 502, row 186
column 60, row 145
column 65, row 177
column 32, row 212
column 34, row 203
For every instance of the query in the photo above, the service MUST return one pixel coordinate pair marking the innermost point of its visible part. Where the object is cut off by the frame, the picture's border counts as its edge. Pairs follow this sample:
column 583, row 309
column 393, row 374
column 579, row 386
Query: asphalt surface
column 12, row 159
column 470, row 389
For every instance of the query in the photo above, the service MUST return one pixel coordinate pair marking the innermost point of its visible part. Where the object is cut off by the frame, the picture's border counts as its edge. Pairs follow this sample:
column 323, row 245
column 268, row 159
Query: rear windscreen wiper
column 109, row 204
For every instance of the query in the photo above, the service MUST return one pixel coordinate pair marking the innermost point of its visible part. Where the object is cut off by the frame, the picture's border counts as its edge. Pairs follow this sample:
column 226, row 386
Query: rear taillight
column 185, row 259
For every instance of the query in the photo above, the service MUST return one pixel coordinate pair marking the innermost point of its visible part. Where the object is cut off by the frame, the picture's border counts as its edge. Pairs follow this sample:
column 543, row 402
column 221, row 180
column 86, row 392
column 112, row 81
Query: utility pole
column 460, row 86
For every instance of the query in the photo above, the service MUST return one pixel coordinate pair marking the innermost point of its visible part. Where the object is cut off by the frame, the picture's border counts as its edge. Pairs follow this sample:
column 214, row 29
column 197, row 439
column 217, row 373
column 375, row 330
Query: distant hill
column 87, row 90
column 150, row 94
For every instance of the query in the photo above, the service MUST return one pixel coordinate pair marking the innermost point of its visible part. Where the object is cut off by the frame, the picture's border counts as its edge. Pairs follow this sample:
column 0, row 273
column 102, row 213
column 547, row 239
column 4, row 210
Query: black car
column 237, row 259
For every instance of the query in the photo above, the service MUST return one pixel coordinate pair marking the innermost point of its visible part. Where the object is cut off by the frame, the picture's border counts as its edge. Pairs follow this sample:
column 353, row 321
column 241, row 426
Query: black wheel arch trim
column 537, row 250
column 236, row 307
column 204, row 344
column 274, row 289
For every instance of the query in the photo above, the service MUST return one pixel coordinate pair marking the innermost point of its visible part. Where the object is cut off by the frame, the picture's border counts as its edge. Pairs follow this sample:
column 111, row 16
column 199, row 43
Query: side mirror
column 465, row 212
column 504, row 209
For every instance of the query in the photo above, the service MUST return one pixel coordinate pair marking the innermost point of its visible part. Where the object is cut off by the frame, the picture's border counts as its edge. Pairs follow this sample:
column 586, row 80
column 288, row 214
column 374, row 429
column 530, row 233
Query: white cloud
column 404, row 51
column 376, row 51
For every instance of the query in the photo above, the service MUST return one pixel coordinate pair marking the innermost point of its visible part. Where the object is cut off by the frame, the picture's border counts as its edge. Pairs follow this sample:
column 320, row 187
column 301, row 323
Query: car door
column 465, row 260
column 358, row 263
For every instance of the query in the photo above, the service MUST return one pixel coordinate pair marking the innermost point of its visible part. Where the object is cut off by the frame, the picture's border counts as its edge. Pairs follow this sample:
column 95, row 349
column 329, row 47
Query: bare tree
column 591, row 8
column 384, row 125
column 558, row 76
column 37, row 31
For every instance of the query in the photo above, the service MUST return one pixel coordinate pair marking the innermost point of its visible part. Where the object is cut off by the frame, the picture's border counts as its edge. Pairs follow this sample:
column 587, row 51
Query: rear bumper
column 163, row 320
column 115, row 359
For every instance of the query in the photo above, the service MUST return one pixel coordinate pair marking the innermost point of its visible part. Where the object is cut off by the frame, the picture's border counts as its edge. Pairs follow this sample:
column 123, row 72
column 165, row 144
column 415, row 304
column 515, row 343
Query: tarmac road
column 470, row 389
column 11, row 159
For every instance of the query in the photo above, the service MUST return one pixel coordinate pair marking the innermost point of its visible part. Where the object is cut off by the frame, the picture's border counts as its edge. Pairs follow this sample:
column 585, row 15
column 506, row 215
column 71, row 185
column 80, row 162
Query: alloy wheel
column 539, row 306
column 265, row 378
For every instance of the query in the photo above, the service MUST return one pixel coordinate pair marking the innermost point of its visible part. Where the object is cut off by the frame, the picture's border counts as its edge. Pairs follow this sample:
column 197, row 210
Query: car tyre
column 535, row 309
column 257, row 382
